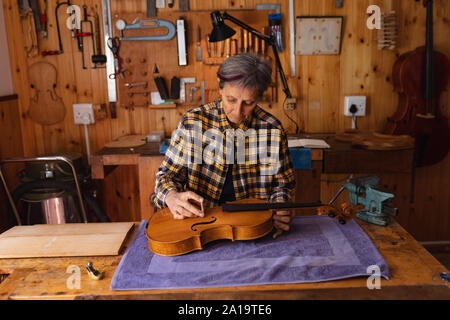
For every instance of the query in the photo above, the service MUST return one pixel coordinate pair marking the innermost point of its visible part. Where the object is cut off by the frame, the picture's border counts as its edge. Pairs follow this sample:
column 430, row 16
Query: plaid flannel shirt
column 199, row 162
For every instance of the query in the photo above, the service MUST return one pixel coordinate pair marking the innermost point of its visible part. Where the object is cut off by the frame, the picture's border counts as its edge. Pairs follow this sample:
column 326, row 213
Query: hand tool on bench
column 93, row 273
column 376, row 209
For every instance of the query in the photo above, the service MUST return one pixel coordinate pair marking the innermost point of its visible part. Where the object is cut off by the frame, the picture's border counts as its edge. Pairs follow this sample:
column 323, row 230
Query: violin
column 246, row 219
column 419, row 77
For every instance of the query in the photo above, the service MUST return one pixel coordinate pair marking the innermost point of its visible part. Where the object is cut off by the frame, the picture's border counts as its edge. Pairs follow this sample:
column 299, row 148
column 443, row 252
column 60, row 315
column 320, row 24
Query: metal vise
column 376, row 209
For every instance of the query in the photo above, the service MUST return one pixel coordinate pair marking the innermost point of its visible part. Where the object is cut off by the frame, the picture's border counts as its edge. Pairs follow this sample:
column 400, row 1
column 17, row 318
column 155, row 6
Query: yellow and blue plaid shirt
column 202, row 150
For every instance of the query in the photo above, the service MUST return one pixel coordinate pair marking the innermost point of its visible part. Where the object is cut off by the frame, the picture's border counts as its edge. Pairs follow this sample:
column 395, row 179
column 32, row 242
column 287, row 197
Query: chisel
column 208, row 48
column 227, row 47
column 198, row 53
column 220, row 48
column 245, row 41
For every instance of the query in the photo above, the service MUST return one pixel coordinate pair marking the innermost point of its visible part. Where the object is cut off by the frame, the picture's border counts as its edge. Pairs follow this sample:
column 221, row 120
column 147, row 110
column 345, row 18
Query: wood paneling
column 320, row 84
column 10, row 146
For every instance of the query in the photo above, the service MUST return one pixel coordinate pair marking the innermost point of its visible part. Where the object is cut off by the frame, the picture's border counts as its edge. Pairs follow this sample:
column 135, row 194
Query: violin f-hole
column 209, row 222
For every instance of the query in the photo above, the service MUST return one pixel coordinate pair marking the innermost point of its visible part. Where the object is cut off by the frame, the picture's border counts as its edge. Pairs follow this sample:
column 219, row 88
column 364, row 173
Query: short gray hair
column 246, row 70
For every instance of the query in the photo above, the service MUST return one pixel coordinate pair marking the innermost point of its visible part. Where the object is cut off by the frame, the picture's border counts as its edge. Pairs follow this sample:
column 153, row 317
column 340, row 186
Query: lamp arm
column 241, row 24
column 286, row 90
column 270, row 41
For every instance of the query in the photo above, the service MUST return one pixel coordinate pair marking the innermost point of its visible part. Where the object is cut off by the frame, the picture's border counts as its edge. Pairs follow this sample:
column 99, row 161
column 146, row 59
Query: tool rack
column 144, row 60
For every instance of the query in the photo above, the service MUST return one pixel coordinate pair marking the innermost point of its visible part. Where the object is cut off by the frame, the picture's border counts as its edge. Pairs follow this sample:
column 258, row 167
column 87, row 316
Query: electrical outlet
column 291, row 104
column 357, row 104
column 83, row 113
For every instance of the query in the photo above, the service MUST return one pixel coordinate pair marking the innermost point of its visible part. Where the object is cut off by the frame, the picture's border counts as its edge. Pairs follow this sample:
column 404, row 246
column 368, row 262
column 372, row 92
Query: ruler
column 107, row 31
column 181, row 38
column 183, row 82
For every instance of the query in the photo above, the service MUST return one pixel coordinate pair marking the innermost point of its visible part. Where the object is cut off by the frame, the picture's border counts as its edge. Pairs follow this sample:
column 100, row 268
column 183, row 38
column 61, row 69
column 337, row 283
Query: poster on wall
column 318, row 35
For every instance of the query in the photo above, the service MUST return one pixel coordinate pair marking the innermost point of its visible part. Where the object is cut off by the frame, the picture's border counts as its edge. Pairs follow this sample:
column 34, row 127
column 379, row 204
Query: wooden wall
column 320, row 84
column 10, row 146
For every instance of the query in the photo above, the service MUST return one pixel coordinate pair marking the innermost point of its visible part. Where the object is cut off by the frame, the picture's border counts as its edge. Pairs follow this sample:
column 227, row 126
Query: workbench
column 414, row 274
column 341, row 157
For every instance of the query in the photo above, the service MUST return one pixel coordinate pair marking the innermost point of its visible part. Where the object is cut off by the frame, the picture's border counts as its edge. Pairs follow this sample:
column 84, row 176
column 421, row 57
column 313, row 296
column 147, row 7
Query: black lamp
column 221, row 32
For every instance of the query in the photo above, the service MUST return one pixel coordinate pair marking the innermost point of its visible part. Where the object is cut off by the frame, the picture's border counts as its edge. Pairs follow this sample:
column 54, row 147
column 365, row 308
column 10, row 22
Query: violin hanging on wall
column 419, row 77
column 46, row 107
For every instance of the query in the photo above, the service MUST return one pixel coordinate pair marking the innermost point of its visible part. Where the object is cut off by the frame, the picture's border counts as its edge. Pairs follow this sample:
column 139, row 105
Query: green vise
column 362, row 191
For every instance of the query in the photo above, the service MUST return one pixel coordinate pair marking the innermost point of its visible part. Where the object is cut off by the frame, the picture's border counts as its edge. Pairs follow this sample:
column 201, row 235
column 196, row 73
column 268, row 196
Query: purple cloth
column 317, row 248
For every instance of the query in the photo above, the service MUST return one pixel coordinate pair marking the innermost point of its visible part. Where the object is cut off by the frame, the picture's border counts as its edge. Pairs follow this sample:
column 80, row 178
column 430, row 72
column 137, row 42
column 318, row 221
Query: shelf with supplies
column 158, row 56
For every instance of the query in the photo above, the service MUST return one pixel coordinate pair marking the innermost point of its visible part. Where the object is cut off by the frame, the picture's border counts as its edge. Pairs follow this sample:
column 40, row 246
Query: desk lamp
column 221, row 32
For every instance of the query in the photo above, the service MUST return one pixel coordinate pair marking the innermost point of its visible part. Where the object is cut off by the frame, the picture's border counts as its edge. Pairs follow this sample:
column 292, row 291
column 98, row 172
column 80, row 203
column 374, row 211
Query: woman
column 242, row 79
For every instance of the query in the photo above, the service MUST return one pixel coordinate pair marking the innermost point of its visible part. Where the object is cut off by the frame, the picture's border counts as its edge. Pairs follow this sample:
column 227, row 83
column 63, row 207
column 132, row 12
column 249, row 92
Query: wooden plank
column 75, row 239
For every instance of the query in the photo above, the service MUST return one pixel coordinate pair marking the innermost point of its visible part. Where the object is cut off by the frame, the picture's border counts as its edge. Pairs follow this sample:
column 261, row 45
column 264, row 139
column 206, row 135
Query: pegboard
column 144, row 60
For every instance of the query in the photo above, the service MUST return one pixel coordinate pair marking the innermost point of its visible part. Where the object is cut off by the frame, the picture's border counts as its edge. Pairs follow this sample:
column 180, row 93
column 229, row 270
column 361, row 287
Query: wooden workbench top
column 415, row 274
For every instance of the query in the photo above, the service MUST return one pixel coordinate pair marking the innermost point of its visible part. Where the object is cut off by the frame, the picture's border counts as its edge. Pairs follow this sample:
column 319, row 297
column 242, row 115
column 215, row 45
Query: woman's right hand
column 180, row 207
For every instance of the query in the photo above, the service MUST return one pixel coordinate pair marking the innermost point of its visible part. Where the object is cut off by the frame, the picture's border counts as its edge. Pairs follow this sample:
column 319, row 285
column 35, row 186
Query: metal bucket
column 55, row 208
column 53, row 211
column 42, row 159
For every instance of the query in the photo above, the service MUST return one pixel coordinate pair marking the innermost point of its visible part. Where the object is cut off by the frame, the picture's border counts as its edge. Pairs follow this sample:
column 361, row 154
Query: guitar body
column 171, row 237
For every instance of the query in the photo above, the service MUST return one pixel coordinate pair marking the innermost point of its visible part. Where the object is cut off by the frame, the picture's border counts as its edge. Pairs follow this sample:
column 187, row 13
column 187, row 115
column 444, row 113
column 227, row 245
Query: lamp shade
column 220, row 30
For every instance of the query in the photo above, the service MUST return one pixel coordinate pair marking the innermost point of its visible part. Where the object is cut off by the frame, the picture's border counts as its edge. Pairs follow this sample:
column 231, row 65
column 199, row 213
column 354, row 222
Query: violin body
column 171, row 237
column 46, row 107
column 419, row 77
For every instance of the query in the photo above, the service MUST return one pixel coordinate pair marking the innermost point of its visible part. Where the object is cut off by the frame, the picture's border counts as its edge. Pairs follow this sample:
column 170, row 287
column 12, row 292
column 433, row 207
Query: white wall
column 6, row 83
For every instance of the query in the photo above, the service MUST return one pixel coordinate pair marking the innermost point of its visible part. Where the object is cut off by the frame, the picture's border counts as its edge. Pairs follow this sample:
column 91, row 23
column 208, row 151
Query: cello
column 419, row 77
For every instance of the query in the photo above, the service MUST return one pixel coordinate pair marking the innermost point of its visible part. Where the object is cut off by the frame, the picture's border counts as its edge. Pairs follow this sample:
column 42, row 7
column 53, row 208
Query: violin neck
column 429, row 58
column 234, row 207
